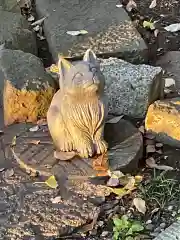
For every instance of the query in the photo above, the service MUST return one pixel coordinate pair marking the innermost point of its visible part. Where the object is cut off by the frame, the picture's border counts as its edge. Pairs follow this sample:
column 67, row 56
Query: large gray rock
column 26, row 87
column 110, row 30
column 131, row 88
column 15, row 34
column 170, row 233
column 170, row 62
column 9, row 5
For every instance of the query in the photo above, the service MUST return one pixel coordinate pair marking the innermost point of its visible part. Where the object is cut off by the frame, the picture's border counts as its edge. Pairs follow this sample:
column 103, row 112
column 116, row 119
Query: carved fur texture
column 76, row 116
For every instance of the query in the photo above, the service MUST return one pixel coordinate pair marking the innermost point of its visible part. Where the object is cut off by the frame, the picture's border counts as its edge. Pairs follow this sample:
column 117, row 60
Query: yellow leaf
column 51, row 182
column 149, row 25
column 130, row 184
column 54, row 68
column 120, row 191
column 138, row 178
column 14, row 141
column 83, row 31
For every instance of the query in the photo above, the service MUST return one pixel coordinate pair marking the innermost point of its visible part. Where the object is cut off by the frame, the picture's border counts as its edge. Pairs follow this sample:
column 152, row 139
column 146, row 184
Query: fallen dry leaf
column 34, row 129
column 56, row 199
column 140, row 205
column 31, row 18
column 119, row 5
column 138, row 178
column 131, row 5
column 169, row 82
column 153, row 4
column 35, row 142
column 120, row 191
column 115, row 119
column 38, row 22
column 76, row 33
column 131, row 184
column 175, row 27
column 154, row 210
column 150, row 162
column 9, row 173
column 149, row 25
column 51, row 182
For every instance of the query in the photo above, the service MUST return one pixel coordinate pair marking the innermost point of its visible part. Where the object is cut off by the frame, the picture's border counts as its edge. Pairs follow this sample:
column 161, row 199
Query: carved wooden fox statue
column 76, row 116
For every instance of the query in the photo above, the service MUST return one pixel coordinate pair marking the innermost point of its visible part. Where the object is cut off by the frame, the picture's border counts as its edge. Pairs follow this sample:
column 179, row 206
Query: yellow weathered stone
column 25, row 106
column 163, row 116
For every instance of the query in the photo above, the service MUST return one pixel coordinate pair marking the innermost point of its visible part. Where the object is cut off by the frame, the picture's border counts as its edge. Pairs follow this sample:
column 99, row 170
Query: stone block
column 27, row 87
column 15, row 33
column 163, row 120
column 131, row 88
column 110, row 30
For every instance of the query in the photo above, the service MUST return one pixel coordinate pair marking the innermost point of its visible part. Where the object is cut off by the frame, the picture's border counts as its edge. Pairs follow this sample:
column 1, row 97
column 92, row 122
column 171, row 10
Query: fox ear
column 63, row 66
column 90, row 57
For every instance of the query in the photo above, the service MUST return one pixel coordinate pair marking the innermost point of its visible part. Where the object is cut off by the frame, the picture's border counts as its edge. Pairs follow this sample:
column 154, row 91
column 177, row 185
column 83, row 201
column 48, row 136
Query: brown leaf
column 131, row 5
column 9, row 173
column 35, row 142
column 140, row 205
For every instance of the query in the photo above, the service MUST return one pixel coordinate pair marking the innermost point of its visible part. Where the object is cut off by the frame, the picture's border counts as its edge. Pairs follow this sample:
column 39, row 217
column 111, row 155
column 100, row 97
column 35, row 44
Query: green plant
column 160, row 191
column 126, row 229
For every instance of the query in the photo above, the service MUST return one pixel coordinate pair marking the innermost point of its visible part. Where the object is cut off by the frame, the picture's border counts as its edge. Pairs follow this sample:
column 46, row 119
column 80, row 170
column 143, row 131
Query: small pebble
column 159, row 145
column 158, row 229
column 150, row 149
column 100, row 223
column 173, row 214
column 150, row 227
column 149, row 221
column 34, row 129
column 162, row 225
column 170, row 208
column 159, row 151
column 150, row 136
column 104, row 233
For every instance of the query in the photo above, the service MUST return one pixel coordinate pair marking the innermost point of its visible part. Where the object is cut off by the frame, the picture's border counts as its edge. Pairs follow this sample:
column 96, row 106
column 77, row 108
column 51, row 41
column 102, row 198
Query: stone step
column 110, row 30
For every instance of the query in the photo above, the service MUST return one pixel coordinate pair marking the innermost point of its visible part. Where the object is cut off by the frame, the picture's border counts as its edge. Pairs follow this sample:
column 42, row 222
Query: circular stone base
column 125, row 149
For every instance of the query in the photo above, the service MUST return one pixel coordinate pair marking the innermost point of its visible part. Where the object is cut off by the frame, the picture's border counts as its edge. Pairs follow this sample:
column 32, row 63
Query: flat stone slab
column 110, row 30
column 10, row 5
column 30, row 208
column 170, row 62
column 15, row 32
column 170, row 233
